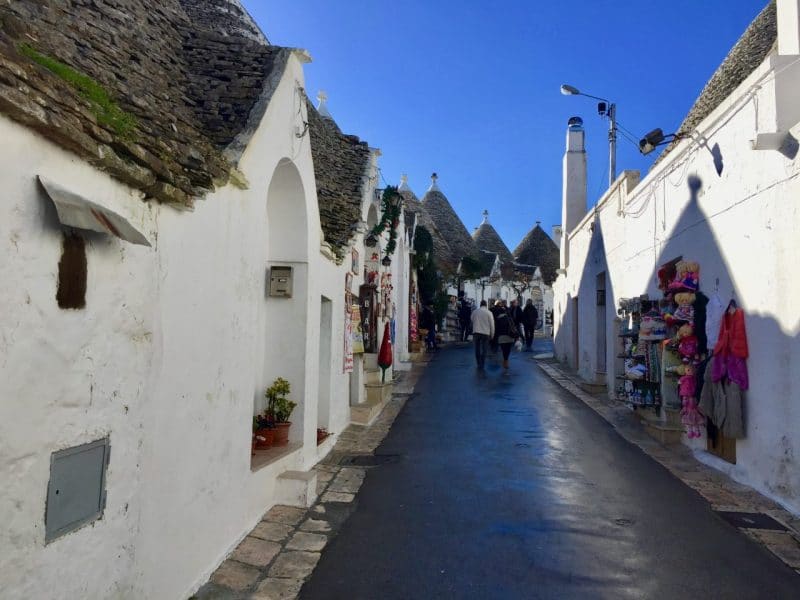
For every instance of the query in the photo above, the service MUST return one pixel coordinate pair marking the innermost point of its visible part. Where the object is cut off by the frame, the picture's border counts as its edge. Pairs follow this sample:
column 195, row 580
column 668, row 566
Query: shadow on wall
column 586, row 329
column 767, row 453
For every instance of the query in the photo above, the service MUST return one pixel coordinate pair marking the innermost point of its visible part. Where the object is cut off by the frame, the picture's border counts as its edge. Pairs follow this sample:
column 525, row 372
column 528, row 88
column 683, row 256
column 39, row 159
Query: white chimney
column 557, row 234
column 322, row 106
column 788, row 27
column 573, row 200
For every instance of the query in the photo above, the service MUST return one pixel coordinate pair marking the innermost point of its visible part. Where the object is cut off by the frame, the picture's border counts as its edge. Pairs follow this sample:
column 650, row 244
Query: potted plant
column 279, row 409
column 263, row 432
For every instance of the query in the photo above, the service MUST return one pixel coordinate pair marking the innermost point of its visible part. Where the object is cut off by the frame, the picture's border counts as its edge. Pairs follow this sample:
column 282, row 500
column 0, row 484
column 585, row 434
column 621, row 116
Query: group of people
column 501, row 326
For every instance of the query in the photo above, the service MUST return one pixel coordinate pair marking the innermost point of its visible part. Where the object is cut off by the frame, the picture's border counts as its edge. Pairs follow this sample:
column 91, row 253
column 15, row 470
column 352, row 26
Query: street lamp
column 608, row 109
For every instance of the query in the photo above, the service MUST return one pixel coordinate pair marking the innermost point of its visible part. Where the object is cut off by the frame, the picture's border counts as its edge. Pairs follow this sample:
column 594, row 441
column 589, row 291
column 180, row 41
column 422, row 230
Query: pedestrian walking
column 464, row 314
column 496, row 310
column 506, row 333
column 482, row 331
column 515, row 310
column 427, row 320
column 530, row 319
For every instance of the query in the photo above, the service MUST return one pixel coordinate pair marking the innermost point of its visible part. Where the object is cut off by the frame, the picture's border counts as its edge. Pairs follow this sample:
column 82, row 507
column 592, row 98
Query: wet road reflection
column 509, row 487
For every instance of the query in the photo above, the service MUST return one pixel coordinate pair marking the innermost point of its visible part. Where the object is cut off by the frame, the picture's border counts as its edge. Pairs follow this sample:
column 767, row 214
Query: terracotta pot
column 281, row 434
column 264, row 438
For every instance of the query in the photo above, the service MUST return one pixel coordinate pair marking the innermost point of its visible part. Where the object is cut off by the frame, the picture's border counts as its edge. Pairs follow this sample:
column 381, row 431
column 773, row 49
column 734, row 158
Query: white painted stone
column 741, row 228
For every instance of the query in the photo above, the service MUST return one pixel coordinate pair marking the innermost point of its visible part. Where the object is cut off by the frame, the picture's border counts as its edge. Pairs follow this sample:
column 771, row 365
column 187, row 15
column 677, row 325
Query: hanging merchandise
column 726, row 378
column 348, row 337
column 714, row 312
column 641, row 372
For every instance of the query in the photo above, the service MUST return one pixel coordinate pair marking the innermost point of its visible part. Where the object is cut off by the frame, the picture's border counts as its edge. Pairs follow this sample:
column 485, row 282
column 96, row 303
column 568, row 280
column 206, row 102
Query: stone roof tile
column 537, row 249
column 442, row 253
column 757, row 42
column 451, row 227
column 486, row 238
column 341, row 163
column 181, row 83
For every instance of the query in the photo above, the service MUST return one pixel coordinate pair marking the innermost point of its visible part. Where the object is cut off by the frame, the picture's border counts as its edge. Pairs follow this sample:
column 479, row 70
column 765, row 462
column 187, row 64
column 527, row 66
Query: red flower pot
column 264, row 438
column 281, row 434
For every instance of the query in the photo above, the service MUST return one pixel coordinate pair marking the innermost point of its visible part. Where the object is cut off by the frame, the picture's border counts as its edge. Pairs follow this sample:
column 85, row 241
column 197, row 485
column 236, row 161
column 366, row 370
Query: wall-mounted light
column 657, row 138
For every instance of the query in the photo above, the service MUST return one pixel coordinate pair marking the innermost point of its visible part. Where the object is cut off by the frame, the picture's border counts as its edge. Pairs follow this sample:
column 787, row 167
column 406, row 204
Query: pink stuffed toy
column 690, row 416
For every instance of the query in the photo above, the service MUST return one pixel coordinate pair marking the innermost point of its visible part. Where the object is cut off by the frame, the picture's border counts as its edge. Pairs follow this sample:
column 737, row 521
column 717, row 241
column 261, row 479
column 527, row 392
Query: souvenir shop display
column 641, row 375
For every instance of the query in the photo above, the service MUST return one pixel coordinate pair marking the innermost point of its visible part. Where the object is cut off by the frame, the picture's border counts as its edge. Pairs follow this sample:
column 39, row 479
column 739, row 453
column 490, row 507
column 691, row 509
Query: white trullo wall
column 169, row 359
column 742, row 229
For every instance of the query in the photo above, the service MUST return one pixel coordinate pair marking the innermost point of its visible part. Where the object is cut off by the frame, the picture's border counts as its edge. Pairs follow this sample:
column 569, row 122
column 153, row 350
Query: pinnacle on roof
column 449, row 224
column 403, row 187
column 487, row 239
column 536, row 248
column 322, row 106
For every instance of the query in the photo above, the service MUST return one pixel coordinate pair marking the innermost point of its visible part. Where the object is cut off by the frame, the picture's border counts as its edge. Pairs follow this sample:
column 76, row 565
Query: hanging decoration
column 391, row 202
column 385, row 354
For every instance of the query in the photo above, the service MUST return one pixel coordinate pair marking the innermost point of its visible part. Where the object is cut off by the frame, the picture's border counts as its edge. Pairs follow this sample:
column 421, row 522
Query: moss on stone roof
column 191, row 81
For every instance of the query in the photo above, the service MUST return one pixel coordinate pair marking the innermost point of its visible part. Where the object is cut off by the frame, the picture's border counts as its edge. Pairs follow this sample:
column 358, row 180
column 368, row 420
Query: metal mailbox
column 280, row 282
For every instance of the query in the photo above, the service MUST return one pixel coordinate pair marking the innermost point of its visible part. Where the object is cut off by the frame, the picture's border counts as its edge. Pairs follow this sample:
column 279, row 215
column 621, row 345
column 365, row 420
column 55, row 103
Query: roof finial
column 434, row 186
column 538, row 223
column 322, row 107
column 485, row 217
column 403, row 187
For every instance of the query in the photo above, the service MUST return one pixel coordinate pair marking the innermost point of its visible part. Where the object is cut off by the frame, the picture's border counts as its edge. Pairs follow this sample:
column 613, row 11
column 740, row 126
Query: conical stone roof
column 442, row 253
column 446, row 220
column 536, row 248
column 487, row 239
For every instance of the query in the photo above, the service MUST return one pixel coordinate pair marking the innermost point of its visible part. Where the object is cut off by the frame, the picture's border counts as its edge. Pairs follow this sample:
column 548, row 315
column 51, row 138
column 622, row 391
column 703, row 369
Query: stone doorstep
column 714, row 486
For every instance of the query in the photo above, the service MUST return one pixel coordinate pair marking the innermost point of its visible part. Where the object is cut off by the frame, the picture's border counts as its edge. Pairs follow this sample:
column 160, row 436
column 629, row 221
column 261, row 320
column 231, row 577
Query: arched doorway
column 286, row 315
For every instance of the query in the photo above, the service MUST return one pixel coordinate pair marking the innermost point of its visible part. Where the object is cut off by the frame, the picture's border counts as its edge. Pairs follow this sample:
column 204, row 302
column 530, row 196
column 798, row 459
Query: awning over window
column 75, row 210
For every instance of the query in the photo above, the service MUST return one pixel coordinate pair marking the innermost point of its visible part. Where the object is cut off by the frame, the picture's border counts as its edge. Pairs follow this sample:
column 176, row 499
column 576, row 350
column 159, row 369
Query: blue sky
column 470, row 89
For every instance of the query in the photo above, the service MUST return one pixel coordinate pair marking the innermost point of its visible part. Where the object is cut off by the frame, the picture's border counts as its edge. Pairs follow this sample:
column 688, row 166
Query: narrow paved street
column 506, row 486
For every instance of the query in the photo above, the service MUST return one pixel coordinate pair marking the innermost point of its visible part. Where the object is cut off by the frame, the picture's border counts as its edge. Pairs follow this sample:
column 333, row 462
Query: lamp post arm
column 595, row 97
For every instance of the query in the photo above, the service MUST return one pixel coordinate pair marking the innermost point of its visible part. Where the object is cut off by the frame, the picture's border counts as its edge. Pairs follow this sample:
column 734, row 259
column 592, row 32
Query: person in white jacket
column 482, row 332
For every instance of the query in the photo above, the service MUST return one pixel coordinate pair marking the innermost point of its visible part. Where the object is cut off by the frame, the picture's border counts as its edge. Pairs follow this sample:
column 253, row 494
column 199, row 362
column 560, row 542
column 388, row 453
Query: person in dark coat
column 530, row 319
column 505, row 330
column 464, row 314
column 427, row 320
column 497, row 309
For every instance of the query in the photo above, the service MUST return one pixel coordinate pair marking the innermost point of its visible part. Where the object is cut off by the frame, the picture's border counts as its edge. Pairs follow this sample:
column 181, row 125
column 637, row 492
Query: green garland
column 390, row 218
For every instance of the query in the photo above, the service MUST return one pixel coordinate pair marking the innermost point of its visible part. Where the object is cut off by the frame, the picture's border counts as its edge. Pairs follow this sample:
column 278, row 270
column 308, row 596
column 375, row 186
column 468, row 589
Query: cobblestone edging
column 281, row 552
column 718, row 489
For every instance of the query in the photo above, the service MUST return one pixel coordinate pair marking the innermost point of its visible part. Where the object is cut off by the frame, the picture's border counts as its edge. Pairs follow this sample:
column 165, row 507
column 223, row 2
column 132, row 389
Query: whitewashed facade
column 741, row 227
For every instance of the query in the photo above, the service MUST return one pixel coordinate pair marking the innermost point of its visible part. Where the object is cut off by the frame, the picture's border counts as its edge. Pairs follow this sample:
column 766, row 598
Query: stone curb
column 281, row 552
column 721, row 492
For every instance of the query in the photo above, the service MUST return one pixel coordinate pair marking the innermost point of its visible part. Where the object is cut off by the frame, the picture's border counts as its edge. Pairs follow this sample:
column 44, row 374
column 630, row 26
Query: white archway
column 286, row 318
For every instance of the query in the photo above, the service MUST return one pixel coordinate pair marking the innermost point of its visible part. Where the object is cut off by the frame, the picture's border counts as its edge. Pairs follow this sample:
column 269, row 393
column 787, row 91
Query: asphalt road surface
column 506, row 486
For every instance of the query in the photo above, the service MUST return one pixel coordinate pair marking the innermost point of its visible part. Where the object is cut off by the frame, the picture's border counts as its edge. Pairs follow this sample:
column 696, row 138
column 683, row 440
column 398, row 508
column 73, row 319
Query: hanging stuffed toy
column 688, row 346
column 685, row 310
column 687, row 276
column 690, row 416
column 385, row 354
